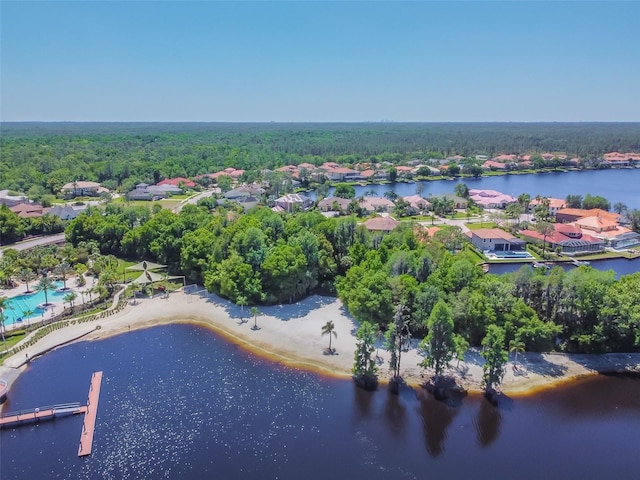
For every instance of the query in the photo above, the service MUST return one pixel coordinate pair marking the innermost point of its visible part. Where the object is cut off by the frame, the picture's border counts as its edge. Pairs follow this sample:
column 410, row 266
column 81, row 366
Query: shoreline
column 291, row 335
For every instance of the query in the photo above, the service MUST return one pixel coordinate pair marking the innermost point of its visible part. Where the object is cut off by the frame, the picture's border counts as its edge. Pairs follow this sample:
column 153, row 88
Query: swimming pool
column 17, row 306
column 508, row 254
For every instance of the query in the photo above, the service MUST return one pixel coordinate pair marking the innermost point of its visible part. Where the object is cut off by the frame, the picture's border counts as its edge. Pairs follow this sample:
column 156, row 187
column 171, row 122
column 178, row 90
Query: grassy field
column 479, row 225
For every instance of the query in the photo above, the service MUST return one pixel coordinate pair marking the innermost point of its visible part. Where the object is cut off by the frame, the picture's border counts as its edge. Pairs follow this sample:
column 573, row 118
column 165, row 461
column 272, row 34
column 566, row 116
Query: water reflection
column 487, row 423
column 362, row 401
column 436, row 418
column 395, row 414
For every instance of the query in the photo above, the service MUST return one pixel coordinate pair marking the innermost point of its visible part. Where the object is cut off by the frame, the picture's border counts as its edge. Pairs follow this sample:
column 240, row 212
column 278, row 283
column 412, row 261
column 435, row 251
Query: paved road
column 194, row 199
column 26, row 245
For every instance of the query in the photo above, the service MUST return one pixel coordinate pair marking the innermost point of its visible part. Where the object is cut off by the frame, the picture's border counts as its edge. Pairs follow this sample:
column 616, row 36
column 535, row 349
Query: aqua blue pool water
column 512, row 254
column 23, row 303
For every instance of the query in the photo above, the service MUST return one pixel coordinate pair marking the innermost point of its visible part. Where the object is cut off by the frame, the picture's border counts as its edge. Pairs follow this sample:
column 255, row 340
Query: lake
column 616, row 185
column 621, row 266
column 179, row 402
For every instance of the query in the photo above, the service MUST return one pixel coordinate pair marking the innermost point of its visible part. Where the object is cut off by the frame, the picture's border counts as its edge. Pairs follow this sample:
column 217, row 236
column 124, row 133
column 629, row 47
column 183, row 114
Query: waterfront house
column 570, row 238
column 555, row 204
column 376, row 204
column 490, row 198
column 334, row 204
column 568, row 215
column 495, row 240
column 417, row 203
column 493, row 165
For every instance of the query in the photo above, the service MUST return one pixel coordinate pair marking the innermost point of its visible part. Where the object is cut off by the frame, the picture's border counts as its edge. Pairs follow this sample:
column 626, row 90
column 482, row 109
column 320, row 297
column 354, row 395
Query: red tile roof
column 176, row 181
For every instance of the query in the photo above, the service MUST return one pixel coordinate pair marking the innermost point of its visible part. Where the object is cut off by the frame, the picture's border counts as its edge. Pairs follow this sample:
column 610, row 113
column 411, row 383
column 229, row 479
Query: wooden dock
column 90, row 411
column 42, row 413
column 89, row 424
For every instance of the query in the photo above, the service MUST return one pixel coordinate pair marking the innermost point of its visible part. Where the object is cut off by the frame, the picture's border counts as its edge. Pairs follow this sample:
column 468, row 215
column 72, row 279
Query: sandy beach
column 291, row 334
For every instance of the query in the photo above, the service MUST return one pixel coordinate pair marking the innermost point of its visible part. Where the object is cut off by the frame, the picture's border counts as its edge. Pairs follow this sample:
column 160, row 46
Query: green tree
column 45, row 285
column 545, row 229
column 462, row 190
column 394, row 339
column 63, row 271
column 225, row 183
column 516, row 346
column 254, row 314
column 574, row 201
column 591, row 202
column 393, row 174
column 620, row 207
column 344, row 190
column 329, row 329
column 495, row 357
column 439, row 344
column 26, row 275
column 365, row 369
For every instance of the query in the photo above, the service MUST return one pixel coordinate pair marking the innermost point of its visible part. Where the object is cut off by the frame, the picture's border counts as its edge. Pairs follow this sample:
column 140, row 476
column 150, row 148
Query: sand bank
column 291, row 334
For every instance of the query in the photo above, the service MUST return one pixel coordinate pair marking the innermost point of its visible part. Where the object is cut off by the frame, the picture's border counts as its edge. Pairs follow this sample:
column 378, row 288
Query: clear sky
column 320, row 61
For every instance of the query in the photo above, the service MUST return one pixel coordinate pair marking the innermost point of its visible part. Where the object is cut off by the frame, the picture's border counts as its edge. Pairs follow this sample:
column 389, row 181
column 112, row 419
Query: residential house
column 341, row 174
column 67, row 212
column 334, row 204
column 616, row 159
column 569, row 238
column 144, row 191
column 376, row 204
column 244, row 191
column 82, row 189
column 495, row 240
column 292, row 201
column 555, row 204
column 417, row 203
column 493, row 165
column 11, row 200
column 28, row 210
column 568, row 215
column 491, row 198
column 177, row 182
column 381, row 224
column 459, row 203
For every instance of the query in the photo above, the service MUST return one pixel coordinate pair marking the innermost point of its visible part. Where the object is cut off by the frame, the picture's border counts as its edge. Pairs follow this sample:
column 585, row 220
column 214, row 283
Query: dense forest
column 38, row 158
column 265, row 257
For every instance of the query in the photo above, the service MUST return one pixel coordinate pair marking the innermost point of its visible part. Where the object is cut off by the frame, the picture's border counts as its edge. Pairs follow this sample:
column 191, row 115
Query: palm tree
column 44, row 285
column 329, row 329
column 516, row 346
column 4, row 301
column 26, row 314
column 64, row 270
column 254, row 314
column 27, row 275
column 70, row 298
column 242, row 301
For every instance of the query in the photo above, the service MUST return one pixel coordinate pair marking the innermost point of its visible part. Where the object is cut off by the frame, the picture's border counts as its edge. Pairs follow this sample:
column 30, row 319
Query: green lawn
column 12, row 338
column 479, row 225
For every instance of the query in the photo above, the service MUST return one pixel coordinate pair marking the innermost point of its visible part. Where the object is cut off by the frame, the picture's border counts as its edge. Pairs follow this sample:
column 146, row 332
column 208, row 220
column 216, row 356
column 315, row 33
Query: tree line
column 38, row 159
column 263, row 257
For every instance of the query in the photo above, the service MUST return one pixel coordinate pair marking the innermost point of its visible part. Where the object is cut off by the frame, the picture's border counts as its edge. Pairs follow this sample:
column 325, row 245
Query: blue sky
column 319, row 61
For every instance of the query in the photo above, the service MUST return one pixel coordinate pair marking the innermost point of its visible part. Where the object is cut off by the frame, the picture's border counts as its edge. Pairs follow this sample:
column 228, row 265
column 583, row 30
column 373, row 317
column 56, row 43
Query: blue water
column 22, row 303
column 621, row 266
column 178, row 402
column 620, row 185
